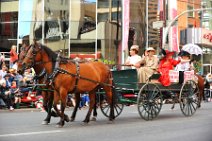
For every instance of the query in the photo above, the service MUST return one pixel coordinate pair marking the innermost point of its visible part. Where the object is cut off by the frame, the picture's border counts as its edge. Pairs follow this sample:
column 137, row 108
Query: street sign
column 157, row 24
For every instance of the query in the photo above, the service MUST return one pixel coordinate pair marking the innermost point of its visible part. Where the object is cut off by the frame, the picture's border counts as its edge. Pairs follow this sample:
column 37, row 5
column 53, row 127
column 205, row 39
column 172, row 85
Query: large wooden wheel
column 149, row 101
column 118, row 107
column 189, row 97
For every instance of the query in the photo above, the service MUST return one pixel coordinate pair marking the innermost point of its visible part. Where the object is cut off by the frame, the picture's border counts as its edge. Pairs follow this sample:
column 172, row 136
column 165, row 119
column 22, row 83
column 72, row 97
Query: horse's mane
column 53, row 55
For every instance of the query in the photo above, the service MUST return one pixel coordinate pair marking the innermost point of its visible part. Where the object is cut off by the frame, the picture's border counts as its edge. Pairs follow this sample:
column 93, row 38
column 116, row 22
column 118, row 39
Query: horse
column 46, row 92
column 201, row 87
column 72, row 77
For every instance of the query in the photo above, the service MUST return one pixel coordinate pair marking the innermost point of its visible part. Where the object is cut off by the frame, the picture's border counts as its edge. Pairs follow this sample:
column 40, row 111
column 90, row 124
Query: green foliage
column 108, row 62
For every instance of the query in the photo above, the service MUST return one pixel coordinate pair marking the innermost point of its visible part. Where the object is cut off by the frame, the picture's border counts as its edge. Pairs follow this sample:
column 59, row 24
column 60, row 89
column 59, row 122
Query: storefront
column 108, row 27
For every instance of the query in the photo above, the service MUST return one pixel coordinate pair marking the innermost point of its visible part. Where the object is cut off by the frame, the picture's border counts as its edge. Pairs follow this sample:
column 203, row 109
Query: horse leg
column 110, row 99
column 94, row 110
column 77, row 99
column 46, row 105
column 63, row 117
column 201, row 87
column 92, row 102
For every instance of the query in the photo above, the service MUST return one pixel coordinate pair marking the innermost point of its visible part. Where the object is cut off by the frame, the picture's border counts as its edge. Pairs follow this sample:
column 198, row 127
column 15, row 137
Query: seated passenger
column 150, row 64
column 134, row 59
column 166, row 63
column 184, row 65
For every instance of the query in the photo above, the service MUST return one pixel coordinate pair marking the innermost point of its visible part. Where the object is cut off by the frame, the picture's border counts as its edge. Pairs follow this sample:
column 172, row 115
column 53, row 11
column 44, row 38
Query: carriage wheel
column 149, row 101
column 105, row 108
column 189, row 97
column 118, row 107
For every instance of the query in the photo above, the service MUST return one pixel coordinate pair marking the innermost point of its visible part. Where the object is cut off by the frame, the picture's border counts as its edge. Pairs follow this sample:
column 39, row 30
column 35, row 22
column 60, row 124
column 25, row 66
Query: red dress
column 164, row 67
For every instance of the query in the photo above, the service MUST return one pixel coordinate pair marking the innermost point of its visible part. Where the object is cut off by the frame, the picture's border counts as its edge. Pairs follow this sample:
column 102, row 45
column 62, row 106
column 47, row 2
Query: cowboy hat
column 136, row 47
column 150, row 49
column 169, row 53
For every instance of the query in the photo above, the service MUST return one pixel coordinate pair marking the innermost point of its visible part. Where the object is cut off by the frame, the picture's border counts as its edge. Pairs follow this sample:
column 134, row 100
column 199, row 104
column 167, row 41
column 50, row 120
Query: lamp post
column 166, row 31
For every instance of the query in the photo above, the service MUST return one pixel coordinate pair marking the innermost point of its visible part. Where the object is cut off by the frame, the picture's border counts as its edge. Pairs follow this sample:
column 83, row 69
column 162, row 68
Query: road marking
column 30, row 133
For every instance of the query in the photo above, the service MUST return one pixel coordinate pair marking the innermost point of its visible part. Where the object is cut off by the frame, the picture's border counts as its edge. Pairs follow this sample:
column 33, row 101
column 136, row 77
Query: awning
column 86, row 56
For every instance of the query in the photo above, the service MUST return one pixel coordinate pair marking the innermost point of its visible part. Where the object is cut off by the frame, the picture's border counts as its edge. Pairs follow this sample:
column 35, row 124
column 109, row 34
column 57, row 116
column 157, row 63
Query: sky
column 24, row 17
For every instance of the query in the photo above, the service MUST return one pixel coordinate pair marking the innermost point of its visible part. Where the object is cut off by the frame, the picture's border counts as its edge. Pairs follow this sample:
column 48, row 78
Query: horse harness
column 57, row 69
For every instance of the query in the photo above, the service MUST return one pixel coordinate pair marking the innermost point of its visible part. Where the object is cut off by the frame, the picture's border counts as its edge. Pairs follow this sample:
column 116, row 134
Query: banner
column 125, row 32
column 173, row 33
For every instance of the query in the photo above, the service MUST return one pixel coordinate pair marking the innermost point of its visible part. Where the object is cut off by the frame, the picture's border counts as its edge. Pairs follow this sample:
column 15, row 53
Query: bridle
column 31, row 56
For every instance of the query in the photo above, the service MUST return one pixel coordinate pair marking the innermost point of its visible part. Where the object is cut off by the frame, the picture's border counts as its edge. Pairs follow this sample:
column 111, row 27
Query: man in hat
column 134, row 59
column 150, row 64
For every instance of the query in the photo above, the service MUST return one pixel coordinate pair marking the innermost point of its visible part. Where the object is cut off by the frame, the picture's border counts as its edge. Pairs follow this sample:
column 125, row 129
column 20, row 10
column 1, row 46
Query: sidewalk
column 20, row 110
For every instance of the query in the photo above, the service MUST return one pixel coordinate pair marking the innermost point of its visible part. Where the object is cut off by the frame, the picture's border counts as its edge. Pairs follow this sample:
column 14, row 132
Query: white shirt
column 183, row 66
column 133, row 60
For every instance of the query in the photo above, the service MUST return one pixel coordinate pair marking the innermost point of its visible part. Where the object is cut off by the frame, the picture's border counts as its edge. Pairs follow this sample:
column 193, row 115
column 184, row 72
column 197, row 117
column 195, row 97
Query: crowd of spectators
column 13, row 85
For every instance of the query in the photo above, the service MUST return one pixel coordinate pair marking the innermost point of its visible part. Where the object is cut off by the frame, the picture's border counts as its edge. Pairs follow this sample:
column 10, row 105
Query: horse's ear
column 34, row 41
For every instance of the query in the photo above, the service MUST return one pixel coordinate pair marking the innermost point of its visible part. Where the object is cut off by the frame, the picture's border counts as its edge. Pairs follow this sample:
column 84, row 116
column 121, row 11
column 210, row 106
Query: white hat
column 136, row 47
column 150, row 48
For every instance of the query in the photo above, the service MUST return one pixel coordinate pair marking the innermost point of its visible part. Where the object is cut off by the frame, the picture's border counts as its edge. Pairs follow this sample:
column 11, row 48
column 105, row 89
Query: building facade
column 102, row 28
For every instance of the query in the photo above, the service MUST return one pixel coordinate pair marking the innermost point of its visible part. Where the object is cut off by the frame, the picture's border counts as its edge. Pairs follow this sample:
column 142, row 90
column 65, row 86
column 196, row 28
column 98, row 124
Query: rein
column 60, row 70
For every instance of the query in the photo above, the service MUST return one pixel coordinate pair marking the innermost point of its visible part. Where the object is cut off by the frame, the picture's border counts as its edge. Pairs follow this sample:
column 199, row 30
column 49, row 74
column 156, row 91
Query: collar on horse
column 60, row 70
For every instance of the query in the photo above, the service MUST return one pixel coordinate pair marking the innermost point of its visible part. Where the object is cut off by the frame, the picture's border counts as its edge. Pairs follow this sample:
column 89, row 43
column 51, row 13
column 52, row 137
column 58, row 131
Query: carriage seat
column 154, row 77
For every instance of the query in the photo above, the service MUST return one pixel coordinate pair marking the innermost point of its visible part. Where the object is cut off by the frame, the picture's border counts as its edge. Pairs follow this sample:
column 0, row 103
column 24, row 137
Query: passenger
column 134, row 59
column 184, row 65
column 150, row 64
column 167, row 63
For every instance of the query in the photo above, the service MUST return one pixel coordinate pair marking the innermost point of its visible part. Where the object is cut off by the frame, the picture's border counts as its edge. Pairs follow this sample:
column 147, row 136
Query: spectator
column 13, row 55
column 16, row 94
column 5, row 94
column 2, row 58
column 3, row 71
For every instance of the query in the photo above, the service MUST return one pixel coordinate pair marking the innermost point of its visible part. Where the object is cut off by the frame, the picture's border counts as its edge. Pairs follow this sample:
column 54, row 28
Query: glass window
column 8, row 30
column 109, row 31
column 83, row 28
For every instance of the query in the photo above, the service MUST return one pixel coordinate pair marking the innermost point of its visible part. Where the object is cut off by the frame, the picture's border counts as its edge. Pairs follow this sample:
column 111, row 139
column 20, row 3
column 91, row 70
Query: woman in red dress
column 166, row 63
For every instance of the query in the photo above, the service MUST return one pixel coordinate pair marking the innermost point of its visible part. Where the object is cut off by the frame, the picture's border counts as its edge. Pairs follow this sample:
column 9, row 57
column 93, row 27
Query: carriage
column 121, row 87
column 149, row 97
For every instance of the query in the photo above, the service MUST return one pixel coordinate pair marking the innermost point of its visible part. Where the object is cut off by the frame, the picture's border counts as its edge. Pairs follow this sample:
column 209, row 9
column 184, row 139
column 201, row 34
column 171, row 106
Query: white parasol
column 192, row 49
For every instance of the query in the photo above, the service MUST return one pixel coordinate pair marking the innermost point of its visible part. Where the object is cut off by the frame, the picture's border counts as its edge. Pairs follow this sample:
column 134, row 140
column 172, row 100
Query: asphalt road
column 171, row 125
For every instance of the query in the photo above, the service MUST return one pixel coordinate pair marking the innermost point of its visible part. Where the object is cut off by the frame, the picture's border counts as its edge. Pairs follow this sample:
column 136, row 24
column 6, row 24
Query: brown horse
column 72, row 77
column 201, row 87
column 41, row 75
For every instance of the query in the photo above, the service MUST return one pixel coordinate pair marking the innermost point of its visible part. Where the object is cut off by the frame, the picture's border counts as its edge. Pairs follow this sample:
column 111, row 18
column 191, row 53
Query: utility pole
column 166, row 30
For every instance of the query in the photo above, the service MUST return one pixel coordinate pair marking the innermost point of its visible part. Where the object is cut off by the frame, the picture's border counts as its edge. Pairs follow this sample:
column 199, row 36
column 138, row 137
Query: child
column 16, row 93
column 184, row 65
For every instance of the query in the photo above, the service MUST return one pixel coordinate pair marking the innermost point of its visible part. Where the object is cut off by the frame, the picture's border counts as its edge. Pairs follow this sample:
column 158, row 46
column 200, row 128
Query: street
column 25, row 125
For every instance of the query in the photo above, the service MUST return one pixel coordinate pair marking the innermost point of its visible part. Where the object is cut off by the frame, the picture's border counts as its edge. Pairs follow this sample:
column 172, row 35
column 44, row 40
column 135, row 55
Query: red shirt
column 13, row 56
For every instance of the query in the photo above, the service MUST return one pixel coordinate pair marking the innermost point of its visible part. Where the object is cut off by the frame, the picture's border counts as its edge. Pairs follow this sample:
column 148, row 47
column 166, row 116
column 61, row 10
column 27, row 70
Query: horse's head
column 29, row 57
column 21, row 56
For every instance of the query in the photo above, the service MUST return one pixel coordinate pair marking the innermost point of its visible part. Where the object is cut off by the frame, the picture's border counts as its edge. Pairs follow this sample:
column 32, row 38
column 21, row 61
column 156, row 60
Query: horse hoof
column 110, row 121
column 45, row 122
column 84, row 123
column 59, row 126
column 66, row 118
column 93, row 119
column 72, row 119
